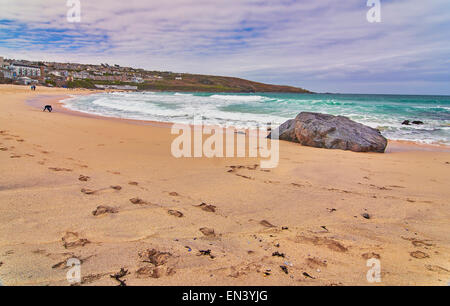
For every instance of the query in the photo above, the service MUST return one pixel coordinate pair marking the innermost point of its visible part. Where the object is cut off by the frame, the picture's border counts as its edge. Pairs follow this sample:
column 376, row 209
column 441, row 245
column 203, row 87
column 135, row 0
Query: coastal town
column 113, row 76
column 76, row 75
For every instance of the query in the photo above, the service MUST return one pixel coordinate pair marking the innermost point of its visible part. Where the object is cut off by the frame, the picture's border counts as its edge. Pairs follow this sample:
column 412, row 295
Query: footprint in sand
column 315, row 263
column 102, row 209
column 150, row 271
column 253, row 167
column 207, row 207
column 83, row 178
column 208, row 232
column 133, row 183
column 370, row 255
column 419, row 255
column 155, row 257
column 3, row 149
column 233, row 169
column 174, row 194
column 419, row 243
column 72, row 240
column 90, row 191
column 266, row 223
column 138, row 201
column 175, row 213
column 297, row 185
column 57, row 169
column 330, row 243
column 15, row 156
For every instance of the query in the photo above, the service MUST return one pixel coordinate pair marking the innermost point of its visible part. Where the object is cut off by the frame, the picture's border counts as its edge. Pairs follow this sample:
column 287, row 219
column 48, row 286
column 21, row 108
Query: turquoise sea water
column 385, row 112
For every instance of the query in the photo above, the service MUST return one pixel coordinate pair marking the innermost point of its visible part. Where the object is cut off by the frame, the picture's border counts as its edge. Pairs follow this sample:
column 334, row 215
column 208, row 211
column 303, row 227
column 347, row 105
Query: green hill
column 196, row 82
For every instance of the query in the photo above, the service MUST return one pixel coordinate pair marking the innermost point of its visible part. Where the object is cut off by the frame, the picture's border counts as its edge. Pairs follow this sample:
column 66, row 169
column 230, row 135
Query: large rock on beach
column 331, row 132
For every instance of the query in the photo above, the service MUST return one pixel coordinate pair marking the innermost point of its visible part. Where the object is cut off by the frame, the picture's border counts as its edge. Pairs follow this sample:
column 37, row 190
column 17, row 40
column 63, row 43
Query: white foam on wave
column 240, row 98
column 139, row 107
column 178, row 108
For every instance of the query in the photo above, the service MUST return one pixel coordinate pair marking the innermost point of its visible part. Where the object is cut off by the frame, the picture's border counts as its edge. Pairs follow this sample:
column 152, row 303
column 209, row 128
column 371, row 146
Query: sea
column 384, row 112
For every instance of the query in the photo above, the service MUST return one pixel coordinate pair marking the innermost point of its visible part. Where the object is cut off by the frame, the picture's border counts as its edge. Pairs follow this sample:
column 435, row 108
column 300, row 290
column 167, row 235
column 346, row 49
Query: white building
column 26, row 80
column 136, row 79
column 55, row 73
column 7, row 74
column 81, row 75
column 20, row 70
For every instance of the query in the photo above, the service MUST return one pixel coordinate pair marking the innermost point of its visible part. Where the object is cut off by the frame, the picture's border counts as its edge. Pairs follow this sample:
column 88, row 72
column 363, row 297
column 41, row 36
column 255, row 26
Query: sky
column 323, row 46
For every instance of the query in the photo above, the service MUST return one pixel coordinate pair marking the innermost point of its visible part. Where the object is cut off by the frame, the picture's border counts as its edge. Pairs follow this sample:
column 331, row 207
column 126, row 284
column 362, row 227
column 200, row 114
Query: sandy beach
column 208, row 221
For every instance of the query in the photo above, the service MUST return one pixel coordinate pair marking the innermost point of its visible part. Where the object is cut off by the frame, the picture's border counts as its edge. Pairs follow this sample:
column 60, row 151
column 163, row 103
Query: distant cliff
column 209, row 83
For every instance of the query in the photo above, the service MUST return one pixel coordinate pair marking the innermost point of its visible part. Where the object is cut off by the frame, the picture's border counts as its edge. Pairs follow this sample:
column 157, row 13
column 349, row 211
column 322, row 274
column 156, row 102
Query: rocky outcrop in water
column 331, row 132
column 407, row 122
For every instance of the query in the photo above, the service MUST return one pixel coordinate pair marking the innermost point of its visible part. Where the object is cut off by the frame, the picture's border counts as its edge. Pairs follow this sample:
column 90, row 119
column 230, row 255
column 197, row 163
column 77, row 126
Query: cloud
column 321, row 45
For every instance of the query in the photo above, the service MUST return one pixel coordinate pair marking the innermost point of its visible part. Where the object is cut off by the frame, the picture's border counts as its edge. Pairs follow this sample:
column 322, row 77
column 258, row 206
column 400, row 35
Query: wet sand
column 109, row 192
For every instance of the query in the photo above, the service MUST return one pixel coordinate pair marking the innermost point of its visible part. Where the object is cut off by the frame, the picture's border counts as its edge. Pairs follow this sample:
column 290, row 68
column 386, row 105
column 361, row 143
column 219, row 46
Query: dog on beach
column 48, row 107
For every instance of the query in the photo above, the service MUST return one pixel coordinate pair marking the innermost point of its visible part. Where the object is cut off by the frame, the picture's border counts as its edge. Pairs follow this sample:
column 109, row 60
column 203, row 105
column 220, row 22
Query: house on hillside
column 136, row 79
column 6, row 73
column 22, row 70
column 26, row 81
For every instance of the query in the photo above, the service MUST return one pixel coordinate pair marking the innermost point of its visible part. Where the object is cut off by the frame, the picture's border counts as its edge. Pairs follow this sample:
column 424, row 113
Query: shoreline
column 37, row 102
